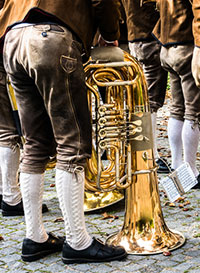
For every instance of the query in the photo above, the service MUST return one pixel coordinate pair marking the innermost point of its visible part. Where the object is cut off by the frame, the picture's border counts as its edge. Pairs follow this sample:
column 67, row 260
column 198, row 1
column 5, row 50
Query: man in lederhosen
column 43, row 43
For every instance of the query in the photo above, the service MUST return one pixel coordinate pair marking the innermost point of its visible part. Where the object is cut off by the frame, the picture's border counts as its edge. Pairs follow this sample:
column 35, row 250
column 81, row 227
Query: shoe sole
column 165, row 172
column 85, row 260
column 37, row 256
column 12, row 213
column 17, row 213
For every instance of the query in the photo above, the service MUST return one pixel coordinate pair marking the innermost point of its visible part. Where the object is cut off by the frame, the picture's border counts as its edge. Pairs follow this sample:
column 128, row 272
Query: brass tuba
column 122, row 155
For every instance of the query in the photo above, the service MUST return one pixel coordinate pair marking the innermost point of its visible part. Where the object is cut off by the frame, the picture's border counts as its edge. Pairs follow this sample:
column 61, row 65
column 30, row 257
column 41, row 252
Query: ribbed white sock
column 175, row 141
column 190, row 136
column 132, row 49
column 32, row 194
column 70, row 190
column 9, row 164
column 1, row 188
column 154, row 127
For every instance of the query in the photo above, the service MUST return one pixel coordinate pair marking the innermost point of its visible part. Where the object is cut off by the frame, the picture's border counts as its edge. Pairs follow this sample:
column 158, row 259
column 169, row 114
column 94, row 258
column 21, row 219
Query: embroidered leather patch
column 68, row 64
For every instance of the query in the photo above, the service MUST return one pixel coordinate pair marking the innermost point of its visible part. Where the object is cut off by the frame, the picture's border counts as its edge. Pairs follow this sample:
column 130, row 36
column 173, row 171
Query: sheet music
column 184, row 177
column 170, row 189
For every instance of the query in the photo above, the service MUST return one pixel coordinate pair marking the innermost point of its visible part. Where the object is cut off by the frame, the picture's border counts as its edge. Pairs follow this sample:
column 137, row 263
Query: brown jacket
column 123, row 26
column 175, row 24
column 81, row 16
column 140, row 19
column 196, row 22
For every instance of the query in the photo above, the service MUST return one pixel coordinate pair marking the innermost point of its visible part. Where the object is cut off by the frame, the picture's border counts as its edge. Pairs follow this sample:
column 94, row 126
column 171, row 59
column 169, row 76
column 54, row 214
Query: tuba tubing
column 112, row 118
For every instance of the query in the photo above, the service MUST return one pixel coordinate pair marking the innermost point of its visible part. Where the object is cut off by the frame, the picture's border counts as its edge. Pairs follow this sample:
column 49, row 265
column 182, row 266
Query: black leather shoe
column 97, row 252
column 32, row 251
column 197, row 186
column 17, row 210
column 163, row 166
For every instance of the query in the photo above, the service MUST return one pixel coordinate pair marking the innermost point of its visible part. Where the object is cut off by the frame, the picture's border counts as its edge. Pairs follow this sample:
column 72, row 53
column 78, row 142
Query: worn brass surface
column 98, row 200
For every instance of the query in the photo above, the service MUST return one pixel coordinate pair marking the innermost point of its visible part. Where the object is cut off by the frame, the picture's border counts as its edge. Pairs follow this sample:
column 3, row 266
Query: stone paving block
column 84, row 267
column 179, row 258
column 133, row 266
column 168, row 271
column 17, row 271
column 54, row 267
column 197, row 270
column 11, row 258
column 183, row 267
column 167, row 263
column 122, row 271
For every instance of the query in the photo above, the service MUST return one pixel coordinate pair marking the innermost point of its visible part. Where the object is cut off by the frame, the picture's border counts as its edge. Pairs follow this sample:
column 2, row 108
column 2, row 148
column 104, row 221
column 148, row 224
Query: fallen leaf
column 108, row 216
column 114, row 217
column 186, row 203
column 60, row 219
column 167, row 253
column 180, row 199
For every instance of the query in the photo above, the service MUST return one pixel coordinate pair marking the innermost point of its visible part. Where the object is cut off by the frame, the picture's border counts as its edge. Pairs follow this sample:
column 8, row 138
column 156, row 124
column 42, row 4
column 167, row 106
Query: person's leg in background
column 9, row 153
column 148, row 54
column 176, row 120
column 183, row 126
column 10, row 142
column 191, row 129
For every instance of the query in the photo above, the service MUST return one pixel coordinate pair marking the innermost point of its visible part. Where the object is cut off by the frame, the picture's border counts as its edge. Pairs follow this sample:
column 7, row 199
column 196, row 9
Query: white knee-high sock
column 154, row 127
column 70, row 190
column 9, row 164
column 1, row 188
column 32, row 193
column 175, row 141
column 190, row 136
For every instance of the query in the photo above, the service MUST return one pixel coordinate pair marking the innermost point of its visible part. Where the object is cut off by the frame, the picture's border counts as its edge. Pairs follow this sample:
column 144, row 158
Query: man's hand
column 102, row 42
column 196, row 65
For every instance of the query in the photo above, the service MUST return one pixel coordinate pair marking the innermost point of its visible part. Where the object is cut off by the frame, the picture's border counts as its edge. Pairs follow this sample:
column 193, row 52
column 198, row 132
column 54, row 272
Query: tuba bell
column 122, row 156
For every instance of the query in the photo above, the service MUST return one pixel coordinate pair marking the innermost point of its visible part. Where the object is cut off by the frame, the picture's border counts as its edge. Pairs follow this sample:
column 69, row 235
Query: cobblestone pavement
column 185, row 219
